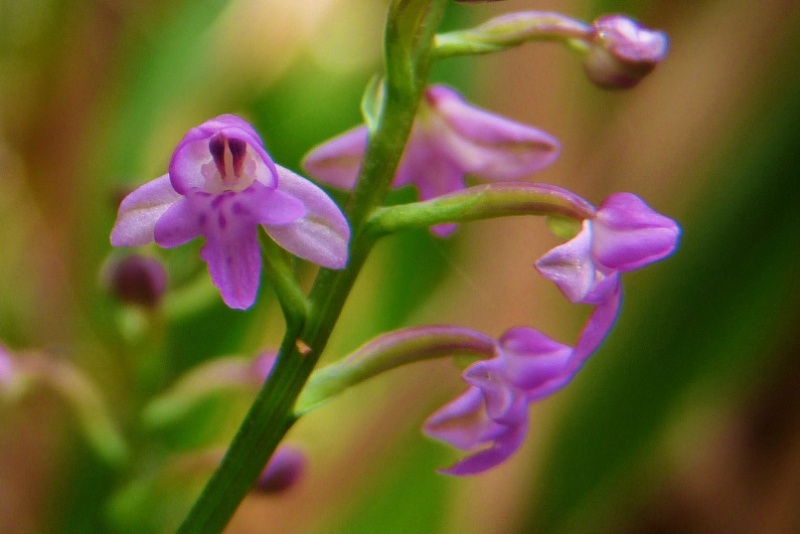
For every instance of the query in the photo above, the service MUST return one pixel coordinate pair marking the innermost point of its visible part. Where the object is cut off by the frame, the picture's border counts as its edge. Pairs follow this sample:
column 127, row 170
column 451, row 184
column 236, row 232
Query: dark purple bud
column 283, row 470
column 137, row 280
column 623, row 52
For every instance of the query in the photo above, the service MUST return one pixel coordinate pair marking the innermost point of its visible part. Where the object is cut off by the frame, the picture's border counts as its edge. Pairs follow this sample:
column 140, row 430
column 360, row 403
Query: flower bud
column 622, row 52
column 283, row 470
column 137, row 280
column 7, row 371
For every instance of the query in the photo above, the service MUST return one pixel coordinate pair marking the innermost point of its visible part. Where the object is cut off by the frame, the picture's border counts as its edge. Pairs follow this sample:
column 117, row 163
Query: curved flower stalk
column 449, row 139
column 490, row 419
column 222, row 185
column 618, row 51
column 233, row 373
column 27, row 371
column 625, row 234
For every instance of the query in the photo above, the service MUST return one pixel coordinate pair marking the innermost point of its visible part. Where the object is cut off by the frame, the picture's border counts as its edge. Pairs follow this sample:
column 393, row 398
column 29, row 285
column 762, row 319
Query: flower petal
column 504, row 445
column 463, row 422
column 192, row 156
column 337, row 162
column 182, row 222
column 570, row 265
column 270, row 207
column 500, row 398
column 629, row 234
column 139, row 212
column 594, row 332
column 597, row 327
column 322, row 235
column 532, row 358
column 488, row 145
column 234, row 261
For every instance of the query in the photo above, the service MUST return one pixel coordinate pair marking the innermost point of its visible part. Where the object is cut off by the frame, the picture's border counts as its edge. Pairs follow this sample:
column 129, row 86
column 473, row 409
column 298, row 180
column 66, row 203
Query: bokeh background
column 687, row 420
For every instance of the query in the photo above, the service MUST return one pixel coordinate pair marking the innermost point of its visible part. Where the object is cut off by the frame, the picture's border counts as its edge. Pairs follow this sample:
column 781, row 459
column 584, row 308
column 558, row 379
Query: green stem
column 409, row 35
column 282, row 279
column 514, row 29
column 481, row 202
column 390, row 351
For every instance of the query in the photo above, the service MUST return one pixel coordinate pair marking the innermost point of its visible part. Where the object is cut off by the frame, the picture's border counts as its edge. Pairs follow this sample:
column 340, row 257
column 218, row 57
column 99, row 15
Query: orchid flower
column 449, row 139
column 490, row 419
column 222, row 185
column 625, row 234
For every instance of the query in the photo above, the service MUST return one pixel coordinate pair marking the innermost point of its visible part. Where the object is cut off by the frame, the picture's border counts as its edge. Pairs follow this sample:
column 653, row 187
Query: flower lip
column 229, row 153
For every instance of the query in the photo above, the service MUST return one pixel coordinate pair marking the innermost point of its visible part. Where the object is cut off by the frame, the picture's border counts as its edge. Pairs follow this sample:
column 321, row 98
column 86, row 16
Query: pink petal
column 505, row 444
column 182, row 222
column 270, row 207
column 234, row 261
column 322, row 235
column 488, row 145
column 337, row 162
column 532, row 358
column 462, row 422
column 139, row 212
column 629, row 234
column 570, row 265
column 500, row 398
column 594, row 332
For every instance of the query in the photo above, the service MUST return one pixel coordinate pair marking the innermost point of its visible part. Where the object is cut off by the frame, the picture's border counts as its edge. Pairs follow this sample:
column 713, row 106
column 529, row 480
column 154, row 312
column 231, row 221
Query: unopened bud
column 283, row 470
column 137, row 280
column 7, row 371
column 622, row 52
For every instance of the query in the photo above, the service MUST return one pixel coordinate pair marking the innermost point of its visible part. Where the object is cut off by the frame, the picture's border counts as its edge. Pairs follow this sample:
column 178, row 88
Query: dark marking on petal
column 218, row 200
column 238, row 209
column 202, row 219
column 216, row 145
column 222, row 220
column 238, row 150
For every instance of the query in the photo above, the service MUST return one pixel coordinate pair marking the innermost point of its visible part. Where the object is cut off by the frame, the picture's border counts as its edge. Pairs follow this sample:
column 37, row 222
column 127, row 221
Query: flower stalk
column 390, row 351
column 408, row 41
column 482, row 202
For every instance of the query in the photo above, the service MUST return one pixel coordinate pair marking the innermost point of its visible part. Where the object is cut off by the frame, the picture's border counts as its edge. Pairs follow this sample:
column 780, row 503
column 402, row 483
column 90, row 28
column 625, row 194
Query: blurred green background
column 687, row 420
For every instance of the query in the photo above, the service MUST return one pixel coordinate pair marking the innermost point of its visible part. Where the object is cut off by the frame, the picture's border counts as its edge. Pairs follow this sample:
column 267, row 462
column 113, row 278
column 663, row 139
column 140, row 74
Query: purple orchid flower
column 490, row 419
column 625, row 234
column 222, row 185
column 449, row 139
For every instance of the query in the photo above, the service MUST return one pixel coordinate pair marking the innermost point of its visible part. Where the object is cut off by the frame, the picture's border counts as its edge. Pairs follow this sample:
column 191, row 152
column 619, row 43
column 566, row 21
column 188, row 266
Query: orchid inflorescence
column 223, row 186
